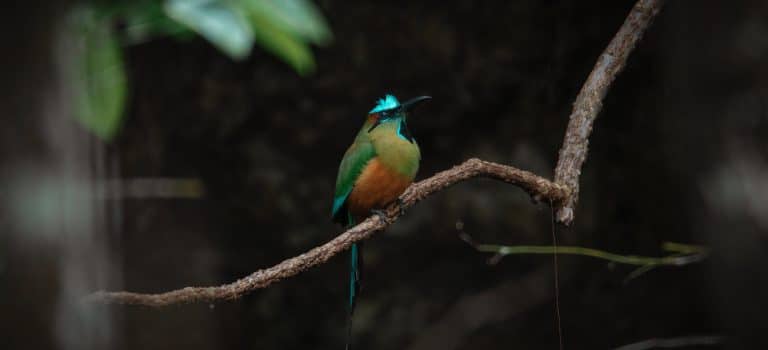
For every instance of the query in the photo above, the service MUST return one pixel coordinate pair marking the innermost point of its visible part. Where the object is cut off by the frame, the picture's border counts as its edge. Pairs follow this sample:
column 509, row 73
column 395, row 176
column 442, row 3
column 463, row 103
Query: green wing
column 355, row 159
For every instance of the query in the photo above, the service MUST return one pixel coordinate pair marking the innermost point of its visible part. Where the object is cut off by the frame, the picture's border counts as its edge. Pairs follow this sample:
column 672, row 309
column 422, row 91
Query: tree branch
column 679, row 254
column 563, row 193
column 691, row 254
column 588, row 102
column 678, row 342
column 539, row 188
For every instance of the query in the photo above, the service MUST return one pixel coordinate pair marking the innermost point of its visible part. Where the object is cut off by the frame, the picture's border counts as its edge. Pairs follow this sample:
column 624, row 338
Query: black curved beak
column 408, row 105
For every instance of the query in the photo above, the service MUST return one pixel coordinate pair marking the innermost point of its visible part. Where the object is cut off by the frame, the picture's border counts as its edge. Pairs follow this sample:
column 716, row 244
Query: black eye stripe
column 384, row 116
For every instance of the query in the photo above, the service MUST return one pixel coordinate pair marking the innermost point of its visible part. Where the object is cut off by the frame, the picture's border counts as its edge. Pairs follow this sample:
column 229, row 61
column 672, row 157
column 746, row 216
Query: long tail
column 355, row 277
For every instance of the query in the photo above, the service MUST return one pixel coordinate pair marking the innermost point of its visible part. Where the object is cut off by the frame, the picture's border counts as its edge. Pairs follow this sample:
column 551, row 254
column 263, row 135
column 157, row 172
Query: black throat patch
column 402, row 131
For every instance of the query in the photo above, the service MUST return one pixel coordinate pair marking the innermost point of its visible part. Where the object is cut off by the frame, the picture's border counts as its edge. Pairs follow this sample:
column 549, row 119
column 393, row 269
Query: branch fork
column 562, row 193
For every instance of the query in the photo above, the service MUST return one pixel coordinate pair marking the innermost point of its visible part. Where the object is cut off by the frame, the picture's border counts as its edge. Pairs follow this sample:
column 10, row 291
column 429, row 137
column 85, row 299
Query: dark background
column 677, row 154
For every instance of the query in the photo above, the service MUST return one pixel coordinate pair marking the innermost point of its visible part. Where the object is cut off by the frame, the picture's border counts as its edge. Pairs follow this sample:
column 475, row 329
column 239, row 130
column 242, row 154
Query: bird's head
column 389, row 111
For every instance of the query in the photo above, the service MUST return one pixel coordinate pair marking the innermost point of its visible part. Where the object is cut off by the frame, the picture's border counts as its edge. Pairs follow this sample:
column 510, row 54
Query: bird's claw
column 382, row 215
column 400, row 206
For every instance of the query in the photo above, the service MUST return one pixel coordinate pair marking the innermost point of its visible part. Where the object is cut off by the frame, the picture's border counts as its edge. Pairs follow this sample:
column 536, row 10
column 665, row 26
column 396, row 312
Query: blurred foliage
column 223, row 24
column 98, row 74
column 285, row 28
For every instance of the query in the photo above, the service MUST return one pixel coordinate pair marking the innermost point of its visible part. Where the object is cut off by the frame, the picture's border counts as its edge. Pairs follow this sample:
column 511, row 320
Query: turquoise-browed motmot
column 376, row 169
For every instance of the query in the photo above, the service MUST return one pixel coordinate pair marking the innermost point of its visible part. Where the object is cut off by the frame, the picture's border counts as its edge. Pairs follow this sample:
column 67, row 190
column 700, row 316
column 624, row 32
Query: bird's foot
column 400, row 206
column 382, row 214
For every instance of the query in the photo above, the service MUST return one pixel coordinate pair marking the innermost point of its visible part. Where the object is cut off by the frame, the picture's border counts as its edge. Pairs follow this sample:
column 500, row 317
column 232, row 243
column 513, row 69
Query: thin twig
column 537, row 186
column 563, row 192
column 588, row 102
column 558, row 318
column 670, row 343
column 673, row 260
column 682, row 254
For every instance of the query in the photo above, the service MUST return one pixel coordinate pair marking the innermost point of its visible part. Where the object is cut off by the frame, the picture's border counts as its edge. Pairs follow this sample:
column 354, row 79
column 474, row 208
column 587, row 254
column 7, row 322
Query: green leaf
column 98, row 75
column 224, row 25
column 146, row 19
column 281, row 43
column 298, row 17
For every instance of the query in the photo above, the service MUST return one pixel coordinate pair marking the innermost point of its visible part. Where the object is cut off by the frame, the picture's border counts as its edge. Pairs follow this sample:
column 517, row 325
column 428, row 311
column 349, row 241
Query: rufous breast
column 376, row 187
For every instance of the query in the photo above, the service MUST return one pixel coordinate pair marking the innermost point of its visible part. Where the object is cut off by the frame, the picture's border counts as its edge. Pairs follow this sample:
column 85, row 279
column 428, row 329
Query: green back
column 355, row 159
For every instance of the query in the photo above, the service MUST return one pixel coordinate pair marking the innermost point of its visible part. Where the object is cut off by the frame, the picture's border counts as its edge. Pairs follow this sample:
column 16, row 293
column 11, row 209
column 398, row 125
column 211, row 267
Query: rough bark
column 538, row 187
column 589, row 101
column 562, row 193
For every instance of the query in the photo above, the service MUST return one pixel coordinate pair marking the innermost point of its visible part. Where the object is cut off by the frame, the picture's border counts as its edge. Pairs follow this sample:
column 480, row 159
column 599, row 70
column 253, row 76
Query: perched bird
column 379, row 165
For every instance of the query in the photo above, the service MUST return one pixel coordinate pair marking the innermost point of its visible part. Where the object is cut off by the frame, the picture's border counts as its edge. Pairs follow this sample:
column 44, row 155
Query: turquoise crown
column 385, row 103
